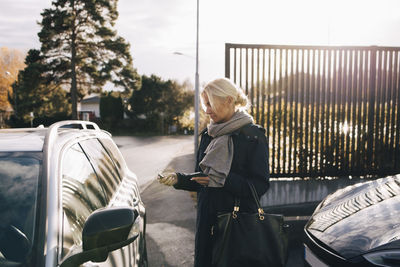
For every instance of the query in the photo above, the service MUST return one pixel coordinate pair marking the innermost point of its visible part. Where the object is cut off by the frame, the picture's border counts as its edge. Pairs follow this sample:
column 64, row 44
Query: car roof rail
column 74, row 124
column 51, row 135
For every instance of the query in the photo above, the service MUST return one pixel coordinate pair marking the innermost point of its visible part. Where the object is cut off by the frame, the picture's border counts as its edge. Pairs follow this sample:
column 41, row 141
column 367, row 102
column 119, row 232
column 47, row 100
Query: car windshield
column 19, row 176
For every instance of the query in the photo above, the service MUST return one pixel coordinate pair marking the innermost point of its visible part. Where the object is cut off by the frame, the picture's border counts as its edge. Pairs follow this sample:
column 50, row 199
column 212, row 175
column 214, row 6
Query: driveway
column 147, row 156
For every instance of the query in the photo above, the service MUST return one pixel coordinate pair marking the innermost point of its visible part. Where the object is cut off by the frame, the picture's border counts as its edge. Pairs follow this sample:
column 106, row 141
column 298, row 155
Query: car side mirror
column 104, row 231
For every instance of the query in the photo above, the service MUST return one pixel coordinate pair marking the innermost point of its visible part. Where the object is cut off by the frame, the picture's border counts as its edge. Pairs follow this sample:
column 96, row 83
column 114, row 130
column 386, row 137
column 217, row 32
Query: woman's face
column 223, row 108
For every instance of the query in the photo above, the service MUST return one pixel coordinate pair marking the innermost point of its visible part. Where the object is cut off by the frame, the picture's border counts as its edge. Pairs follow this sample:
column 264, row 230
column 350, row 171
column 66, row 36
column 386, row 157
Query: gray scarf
column 219, row 153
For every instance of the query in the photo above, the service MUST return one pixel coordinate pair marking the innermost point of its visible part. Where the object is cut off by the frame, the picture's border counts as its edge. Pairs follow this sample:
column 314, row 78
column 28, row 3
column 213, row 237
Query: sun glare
column 344, row 127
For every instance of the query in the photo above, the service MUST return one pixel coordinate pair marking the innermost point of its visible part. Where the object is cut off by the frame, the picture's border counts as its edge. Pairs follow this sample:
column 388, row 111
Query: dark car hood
column 359, row 218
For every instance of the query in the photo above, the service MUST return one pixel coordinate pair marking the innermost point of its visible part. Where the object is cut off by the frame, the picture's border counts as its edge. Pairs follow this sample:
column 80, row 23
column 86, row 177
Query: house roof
column 91, row 100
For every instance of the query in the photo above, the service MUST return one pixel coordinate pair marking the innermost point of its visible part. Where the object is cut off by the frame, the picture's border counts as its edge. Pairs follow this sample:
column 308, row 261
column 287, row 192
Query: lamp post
column 32, row 117
column 196, row 89
column 196, row 85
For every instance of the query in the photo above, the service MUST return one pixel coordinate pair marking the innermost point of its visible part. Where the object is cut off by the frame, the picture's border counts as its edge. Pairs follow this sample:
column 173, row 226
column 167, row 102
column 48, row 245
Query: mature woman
column 232, row 150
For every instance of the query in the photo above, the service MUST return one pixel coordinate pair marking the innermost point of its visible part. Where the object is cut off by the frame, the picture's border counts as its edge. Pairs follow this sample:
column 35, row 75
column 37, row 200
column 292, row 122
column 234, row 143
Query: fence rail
column 328, row 111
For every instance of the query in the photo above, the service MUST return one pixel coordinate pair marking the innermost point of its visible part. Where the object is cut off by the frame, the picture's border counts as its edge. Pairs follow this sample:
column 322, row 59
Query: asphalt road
column 147, row 156
column 171, row 220
column 171, row 214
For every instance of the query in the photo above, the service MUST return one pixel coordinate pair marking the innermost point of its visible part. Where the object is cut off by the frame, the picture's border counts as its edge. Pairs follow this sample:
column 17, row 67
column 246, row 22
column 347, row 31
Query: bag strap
column 256, row 199
column 254, row 193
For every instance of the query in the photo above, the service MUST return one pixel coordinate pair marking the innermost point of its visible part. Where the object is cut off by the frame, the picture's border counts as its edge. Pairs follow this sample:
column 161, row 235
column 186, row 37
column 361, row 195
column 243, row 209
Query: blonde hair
column 223, row 87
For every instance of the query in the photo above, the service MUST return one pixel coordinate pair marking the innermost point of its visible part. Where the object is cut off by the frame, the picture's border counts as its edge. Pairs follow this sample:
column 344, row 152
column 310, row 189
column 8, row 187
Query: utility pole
column 196, row 86
column 196, row 90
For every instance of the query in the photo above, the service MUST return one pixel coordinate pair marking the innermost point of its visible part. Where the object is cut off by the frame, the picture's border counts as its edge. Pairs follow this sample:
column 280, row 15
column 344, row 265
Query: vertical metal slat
column 263, row 91
column 395, row 104
column 285, row 112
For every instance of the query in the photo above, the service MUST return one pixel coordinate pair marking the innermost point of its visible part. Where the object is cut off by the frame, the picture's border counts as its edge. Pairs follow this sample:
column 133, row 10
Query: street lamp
column 196, row 100
column 196, row 89
column 183, row 54
column 196, row 86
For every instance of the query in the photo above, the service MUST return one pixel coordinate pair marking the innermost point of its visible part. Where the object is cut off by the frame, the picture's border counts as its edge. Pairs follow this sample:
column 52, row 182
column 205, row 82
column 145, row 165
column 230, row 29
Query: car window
column 115, row 155
column 103, row 165
column 82, row 194
column 18, row 198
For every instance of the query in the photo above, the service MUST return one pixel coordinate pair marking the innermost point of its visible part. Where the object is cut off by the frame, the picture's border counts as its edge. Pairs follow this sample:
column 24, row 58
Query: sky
column 158, row 28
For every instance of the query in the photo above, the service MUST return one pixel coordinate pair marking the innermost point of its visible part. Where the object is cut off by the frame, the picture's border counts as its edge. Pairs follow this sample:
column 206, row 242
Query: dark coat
column 250, row 162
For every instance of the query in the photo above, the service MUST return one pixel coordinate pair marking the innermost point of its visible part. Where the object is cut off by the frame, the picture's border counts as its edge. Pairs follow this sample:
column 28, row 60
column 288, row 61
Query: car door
column 119, row 192
column 129, row 182
column 82, row 194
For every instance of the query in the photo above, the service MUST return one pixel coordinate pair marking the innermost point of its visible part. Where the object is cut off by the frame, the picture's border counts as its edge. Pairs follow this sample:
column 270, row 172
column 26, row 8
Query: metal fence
column 328, row 111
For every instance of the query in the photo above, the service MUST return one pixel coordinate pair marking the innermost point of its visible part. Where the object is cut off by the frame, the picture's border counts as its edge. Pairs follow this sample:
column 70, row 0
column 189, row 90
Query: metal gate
column 329, row 111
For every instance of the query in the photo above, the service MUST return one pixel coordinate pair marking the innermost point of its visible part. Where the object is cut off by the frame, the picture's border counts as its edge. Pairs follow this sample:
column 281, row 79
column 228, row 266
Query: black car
column 358, row 225
column 67, row 198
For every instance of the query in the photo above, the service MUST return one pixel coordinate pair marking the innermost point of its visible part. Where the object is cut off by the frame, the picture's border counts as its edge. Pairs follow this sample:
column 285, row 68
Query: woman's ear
column 229, row 100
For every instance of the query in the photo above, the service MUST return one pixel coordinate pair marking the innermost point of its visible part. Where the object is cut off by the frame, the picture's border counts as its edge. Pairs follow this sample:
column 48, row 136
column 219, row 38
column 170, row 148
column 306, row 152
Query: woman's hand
column 202, row 180
column 168, row 178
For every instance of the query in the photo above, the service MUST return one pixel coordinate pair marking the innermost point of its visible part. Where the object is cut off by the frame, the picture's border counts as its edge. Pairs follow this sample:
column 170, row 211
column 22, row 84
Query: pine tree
column 82, row 50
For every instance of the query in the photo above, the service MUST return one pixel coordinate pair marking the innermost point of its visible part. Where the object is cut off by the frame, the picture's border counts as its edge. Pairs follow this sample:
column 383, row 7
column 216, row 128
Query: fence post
column 227, row 60
column 371, row 108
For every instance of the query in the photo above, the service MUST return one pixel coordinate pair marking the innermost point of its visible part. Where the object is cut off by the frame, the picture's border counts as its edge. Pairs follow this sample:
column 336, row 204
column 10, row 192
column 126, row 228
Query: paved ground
column 147, row 156
column 171, row 219
column 171, row 214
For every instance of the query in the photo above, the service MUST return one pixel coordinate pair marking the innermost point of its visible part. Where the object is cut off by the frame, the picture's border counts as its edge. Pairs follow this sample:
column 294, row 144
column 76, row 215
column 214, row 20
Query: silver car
column 67, row 198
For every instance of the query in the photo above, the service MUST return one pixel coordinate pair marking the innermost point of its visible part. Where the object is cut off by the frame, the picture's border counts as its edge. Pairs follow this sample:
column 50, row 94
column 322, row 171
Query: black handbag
column 249, row 239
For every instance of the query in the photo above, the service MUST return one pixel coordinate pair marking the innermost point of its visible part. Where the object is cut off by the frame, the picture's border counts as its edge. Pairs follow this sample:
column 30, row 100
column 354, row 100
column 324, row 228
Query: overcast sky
column 158, row 28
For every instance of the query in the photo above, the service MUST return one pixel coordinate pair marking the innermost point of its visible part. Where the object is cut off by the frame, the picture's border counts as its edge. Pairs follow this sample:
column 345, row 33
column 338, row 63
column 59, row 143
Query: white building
column 89, row 107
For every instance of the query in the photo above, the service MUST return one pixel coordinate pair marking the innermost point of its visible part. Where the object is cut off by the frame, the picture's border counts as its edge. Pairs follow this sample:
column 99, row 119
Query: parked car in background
column 67, row 198
column 357, row 226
